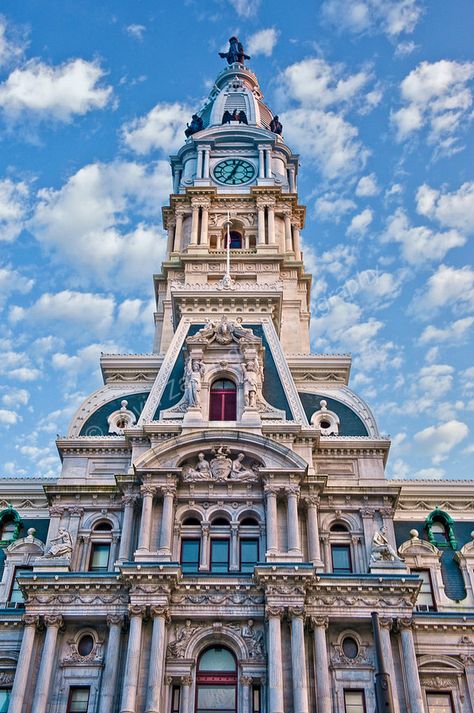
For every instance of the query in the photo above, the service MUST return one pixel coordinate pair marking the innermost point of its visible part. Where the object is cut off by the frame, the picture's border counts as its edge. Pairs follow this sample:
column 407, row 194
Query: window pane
column 15, row 594
column 99, row 557
column 78, row 700
column 4, row 699
column 248, row 555
column 219, row 555
column 190, row 555
column 217, row 659
column 425, row 596
column 216, row 698
column 8, row 530
column 439, row 703
column 341, row 559
column 354, row 701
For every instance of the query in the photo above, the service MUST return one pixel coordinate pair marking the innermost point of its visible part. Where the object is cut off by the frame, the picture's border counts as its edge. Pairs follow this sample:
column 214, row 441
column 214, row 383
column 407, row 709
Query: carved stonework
column 183, row 634
column 221, row 467
column 254, row 639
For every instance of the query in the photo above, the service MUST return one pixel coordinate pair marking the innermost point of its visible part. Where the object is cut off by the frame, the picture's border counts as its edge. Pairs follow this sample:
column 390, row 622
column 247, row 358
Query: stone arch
column 250, row 512
column 222, row 636
column 431, row 661
column 93, row 519
column 183, row 512
column 346, row 519
column 218, row 511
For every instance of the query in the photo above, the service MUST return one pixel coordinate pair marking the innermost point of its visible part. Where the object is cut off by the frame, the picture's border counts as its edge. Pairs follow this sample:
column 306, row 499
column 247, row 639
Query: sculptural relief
column 193, row 373
column 61, row 545
column 221, row 468
column 381, row 549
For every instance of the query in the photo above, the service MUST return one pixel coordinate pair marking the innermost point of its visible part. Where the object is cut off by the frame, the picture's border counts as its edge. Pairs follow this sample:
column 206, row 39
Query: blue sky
column 377, row 98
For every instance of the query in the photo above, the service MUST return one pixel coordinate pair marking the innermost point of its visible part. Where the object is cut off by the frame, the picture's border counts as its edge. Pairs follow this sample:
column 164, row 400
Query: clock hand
column 233, row 172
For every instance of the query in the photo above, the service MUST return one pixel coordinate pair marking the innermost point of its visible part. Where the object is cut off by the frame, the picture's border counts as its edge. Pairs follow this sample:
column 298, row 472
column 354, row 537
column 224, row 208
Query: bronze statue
column 235, row 53
column 276, row 126
column 195, row 125
column 227, row 118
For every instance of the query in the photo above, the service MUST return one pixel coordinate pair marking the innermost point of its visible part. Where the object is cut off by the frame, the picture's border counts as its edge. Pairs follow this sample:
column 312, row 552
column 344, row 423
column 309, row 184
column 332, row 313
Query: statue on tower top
column 235, row 53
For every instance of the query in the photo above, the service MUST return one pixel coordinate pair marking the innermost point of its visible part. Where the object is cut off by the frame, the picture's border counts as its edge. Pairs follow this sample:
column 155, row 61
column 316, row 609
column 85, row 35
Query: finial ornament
column 235, row 53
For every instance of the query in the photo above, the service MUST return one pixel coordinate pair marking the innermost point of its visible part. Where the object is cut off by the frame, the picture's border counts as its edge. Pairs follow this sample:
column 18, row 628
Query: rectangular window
column 78, row 701
column 248, row 555
column 424, row 601
column 354, row 701
column 4, row 699
column 219, row 556
column 341, row 559
column 439, row 702
column 175, row 695
column 190, row 550
column 16, row 597
column 256, row 699
column 99, row 561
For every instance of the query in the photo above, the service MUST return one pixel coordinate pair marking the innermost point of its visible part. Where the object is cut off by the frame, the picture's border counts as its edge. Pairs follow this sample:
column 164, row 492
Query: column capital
column 386, row 622
column 136, row 610
column 114, row 619
column 30, row 619
column 319, row 622
column 56, row 510
column 180, row 211
column 129, row 498
column 404, row 624
column 296, row 612
column 205, row 527
column 311, row 501
column 246, row 680
column 367, row 513
column 273, row 612
column 186, row 680
column 76, row 511
column 148, row 489
column 163, row 611
column 53, row 620
column 271, row 489
column 292, row 490
column 167, row 489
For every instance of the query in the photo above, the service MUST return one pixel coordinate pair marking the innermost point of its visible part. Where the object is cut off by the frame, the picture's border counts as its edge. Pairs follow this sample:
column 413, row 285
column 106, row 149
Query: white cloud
column 8, row 418
column 430, row 474
column 453, row 333
column 15, row 398
column 82, row 310
column 447, row 287
column 13, row 206
column 245, row 8
column 403, row 49
column 331, row 207
column 360, row 223
column 420, row 244
column 24, row 373
column 11, row 48
column 12, row 281
column 87, row 221
column 436, row 97
column 162, row 129
column 136, row 31
column 367, row 186
column 17, row 366
column 338, row 261
column 438, row 441
column 378, row 289
column 86, row 360
column 58, row 92
column 452, row 210
column 390, row 17
column 262, row 42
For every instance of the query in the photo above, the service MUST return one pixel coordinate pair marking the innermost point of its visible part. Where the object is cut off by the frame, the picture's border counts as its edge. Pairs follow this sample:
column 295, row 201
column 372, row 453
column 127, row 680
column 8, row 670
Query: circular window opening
column 350, row 647
column 85, row 645
column 325, row 424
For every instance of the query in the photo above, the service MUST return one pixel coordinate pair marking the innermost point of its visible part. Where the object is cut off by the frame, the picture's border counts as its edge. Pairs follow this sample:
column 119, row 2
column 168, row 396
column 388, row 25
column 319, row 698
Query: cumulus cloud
column 8, row 418
column 88, row 221
column 437, row 98
column 447, row 287
column 15, row 398
column 438, row 441
column 376, row 288
column 455, row 332
column 17, row 366
column 162, row 129
column 12, row 281
column 136, row 31
column 403, row 49
column 420, row 244
column 390, row 17
column 245, row 8
column 451, row 210
column 85, row 361
column 367, row 186
column 54, row 92
column 11, row 47
column 13, row 207
column 81, row 310
column 331, row 207
column 360, row 223
column 262, row 42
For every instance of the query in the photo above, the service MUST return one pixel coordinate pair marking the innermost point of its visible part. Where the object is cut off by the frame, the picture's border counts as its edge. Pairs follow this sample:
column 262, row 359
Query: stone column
column 468, row 662
column 410, row 667
column 186, row 683
column 246, row 683
column 314, row 550
column 386, row 643
column 368, row 515
column 327, row 553
column 55, row 515
column 132, row 665
column 268, row 163
column 127, row 526
column 157, row 660
column 178, row 233
column 24, row 662
column 148, row 493
column 296, row 240
column 271, row 224
column 171, row 228
column 207, row 153
column 288, row 236
column 261, row 162
column 293, row 525
column 166, row 532
column 199, row 162
column 271, row 512
column 194, row 225
column 261, row 224
column 275, row 666
column 204, row 224
column 234, row 547
column 204, row 557
column 292, row 179
column 298, row 661
column 40, row 700
column 323, row 687
column 109, row 676
column 85, row 552
column 75, row 515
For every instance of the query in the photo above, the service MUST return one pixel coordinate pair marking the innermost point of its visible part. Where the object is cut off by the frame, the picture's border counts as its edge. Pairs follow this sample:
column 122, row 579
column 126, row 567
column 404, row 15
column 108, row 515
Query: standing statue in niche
column 62, row 546
column 253, row 639
column 235, row 52
column 381, row 548
column 193, row 374
column 251, row 372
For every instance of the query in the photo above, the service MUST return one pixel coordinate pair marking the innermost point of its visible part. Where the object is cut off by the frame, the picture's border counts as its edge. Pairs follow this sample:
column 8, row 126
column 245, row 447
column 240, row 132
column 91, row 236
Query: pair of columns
column 148, row 493
column 261, row 232
column 157, row 660
column 264, row 161
column 293, row 529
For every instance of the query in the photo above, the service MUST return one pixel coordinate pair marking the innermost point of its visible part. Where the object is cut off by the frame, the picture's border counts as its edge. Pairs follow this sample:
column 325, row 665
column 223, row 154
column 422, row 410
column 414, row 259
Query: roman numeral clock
column 234, row 172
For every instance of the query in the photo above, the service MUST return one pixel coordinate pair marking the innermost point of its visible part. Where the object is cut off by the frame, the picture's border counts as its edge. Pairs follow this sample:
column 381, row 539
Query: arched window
column 216, row 682
column 223, row 401
column 440, row 529
column 338, row 527
column 10, row 524
column 235, row 240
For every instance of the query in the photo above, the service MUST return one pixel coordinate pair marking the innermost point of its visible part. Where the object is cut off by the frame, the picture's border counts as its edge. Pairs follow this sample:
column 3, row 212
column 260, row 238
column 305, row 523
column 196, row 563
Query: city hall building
column 222, row 537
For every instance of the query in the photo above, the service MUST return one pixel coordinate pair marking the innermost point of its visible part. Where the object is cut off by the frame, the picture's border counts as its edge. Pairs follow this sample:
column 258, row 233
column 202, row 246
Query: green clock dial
column 234, row 171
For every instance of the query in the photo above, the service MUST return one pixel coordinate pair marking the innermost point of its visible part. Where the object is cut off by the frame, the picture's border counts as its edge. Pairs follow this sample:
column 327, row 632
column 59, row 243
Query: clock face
column 234, row 171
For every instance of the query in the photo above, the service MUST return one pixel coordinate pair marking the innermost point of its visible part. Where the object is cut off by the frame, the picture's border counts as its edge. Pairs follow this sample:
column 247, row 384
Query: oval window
column 350, row 647
column 85, row 645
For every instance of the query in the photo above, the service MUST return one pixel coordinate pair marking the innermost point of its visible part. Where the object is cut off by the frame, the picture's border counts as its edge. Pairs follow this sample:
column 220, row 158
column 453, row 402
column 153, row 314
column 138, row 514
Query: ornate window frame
column 438, row 515
column 5, row 515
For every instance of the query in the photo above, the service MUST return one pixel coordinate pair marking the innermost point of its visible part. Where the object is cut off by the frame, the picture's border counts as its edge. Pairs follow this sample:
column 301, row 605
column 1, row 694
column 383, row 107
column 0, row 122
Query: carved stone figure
column 276, row 126
column 193, row 373
column 240, row 472
column 221, row 468
column 254, row 640
column 200, row 472
column 177, row 648
column 221, row 464
column 235, row 52
column 224, row 332
column 381, row 549
column 63, row 546
column 195, row 125
column 251, row 370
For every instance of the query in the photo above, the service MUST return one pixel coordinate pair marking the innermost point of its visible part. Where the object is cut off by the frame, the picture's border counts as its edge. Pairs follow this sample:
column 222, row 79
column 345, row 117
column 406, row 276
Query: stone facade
column 226, row 493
